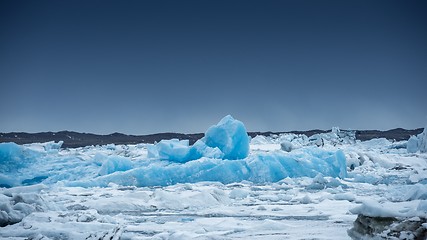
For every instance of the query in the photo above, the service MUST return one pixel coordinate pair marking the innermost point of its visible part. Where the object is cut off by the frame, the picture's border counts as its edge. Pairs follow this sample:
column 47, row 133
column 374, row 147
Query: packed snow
column 224, row 186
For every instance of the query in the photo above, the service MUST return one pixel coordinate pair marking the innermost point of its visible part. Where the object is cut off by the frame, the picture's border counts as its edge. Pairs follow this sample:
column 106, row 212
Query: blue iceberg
column 175, row 150
column 13, row 157
column 417, row 143
column 226, row 140
column 230, row 136
column 259, row 168
column 114, row 164
column 222, row 155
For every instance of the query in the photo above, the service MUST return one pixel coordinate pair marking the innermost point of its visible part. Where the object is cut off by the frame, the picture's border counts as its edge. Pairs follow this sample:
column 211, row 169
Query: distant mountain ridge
column 75, row 139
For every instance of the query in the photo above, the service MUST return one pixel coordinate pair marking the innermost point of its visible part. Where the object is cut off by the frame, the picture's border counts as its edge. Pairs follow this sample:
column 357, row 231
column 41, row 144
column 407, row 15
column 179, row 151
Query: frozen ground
column 286, row 187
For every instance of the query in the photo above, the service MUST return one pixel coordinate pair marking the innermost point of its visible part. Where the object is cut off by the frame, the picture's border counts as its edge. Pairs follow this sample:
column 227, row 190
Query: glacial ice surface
column 258, row 168
column 92, row 193
column 221, row 156
column 115, row 164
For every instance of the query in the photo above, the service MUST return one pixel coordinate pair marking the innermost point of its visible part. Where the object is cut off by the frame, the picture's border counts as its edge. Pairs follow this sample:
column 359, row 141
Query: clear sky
column 142, row 67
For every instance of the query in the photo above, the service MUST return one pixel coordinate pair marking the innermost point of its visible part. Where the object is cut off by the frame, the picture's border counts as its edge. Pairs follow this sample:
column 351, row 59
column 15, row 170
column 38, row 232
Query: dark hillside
column 75, row 139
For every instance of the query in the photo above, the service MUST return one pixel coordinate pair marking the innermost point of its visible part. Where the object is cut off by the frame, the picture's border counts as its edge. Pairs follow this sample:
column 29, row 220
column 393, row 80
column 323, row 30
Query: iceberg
column 412, row 144
column 114, row 164
column 226, row 140
column 52, row 146
column 222, row 155
column 417, row 143
column 14, row 156
column 176, row 150
column 33, row 164
column 230, row 136
column 10, row 156
column 335, row 137
column 258, row 168
column 422, row 138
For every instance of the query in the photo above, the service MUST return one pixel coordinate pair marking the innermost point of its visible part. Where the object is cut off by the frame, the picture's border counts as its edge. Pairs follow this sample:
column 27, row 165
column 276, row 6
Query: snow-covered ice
column 225, row 186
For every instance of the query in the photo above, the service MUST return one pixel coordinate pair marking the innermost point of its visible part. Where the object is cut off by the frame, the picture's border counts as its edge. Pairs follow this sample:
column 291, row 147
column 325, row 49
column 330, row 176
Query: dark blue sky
column 154, row 66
